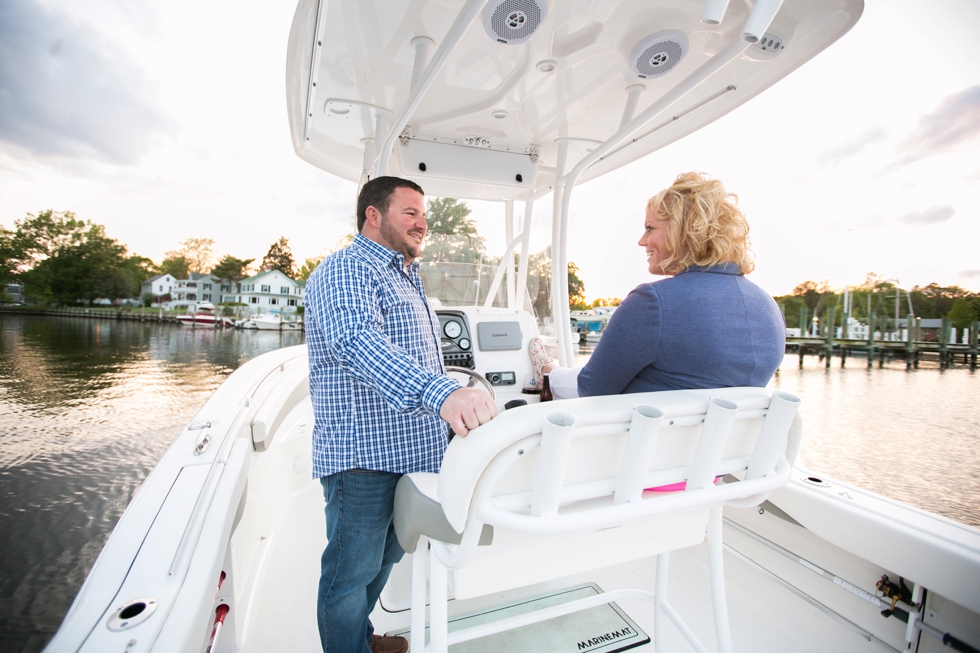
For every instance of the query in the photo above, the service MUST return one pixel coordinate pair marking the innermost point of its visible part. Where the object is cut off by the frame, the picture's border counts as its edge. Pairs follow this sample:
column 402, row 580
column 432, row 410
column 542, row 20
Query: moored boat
column 204, row 315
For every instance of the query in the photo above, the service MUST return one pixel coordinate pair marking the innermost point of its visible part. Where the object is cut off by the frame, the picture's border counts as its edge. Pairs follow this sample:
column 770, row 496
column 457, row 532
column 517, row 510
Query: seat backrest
column 565, row 466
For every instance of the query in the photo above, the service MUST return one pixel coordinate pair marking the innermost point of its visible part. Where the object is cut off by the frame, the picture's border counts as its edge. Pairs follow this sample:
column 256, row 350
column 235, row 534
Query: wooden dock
column 911, row 350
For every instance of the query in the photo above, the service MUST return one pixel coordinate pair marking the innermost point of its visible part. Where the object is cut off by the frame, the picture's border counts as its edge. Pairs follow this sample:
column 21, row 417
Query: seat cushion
column 418, row 512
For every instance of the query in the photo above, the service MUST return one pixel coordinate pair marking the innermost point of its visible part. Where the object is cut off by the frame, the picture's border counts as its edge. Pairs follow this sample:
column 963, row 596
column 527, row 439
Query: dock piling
column 871, row 340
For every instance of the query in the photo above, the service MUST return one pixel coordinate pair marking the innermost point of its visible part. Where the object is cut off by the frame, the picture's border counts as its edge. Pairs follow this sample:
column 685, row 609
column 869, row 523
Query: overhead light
column 547, row 65
column 499, row 114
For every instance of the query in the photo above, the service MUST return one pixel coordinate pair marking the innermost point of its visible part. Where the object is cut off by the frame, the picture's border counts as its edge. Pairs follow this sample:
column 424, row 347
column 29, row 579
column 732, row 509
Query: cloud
column 968, row 274
column 849, row 149
column 65, row 92
column 956, row 120
column 930, row 216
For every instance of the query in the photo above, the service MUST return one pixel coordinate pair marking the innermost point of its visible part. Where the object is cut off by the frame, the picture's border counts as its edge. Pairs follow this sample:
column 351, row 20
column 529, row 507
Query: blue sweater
column 703, row 328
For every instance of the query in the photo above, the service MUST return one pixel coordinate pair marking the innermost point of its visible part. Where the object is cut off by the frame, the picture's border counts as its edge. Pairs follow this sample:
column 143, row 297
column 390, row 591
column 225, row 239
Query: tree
column 176, row 265
column 963, row 313
column 934, row 301
column 539, row 284
column 9, row 259
column 576, row 289
column 90, row 266
column 280, row 257
column 452, row 237
column 40, row 236
column 198, row 252
column 307, row 268
column 447, row 215
column 606, row 301
column 811, row 292
column 231, row 268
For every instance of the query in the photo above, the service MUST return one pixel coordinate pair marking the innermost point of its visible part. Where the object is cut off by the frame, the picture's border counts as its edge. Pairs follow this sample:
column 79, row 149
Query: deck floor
column 765, row 615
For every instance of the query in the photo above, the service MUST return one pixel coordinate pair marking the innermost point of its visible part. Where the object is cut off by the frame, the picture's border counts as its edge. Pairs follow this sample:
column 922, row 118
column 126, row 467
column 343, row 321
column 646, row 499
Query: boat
column 276, row 322
column 512, row 101
column 204, row 315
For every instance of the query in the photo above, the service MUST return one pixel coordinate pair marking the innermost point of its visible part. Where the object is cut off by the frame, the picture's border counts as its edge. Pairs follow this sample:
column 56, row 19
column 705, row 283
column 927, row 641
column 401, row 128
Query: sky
column 166, row 120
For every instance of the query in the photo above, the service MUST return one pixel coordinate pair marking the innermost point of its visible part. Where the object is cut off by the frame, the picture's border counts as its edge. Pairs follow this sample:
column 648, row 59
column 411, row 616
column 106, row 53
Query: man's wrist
column 436, row 392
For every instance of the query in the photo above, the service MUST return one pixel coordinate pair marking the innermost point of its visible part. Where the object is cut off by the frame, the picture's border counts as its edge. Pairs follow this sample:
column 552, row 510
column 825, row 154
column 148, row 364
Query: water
column 910, row 435
column 88, row 406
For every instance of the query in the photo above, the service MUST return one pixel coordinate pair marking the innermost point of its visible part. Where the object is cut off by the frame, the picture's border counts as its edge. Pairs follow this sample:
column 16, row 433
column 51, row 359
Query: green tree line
column 878, row 297
column 58, row 258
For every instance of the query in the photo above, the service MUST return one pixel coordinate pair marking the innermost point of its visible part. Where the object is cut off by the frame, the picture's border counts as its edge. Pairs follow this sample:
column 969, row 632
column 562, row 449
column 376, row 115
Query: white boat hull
column 205, row 320
column 193, row 520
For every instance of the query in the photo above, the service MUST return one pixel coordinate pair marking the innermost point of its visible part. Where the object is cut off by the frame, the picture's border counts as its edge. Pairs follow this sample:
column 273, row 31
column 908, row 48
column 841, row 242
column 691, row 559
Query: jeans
column 361, row 550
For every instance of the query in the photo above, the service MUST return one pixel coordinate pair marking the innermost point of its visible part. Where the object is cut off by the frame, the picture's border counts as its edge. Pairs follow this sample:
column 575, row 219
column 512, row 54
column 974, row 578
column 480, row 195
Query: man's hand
column 467, row 408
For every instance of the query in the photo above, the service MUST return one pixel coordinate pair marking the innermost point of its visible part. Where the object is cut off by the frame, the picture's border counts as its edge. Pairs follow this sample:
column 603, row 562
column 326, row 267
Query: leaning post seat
column 550, row 490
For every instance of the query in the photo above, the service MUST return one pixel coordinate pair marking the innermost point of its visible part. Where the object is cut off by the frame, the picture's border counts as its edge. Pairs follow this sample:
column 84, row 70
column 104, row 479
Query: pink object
column 673, row 487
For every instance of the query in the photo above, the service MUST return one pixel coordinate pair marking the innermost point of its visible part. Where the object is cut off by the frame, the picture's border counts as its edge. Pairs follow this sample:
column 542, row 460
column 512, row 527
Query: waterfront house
column 161, row 287
column 14, row 293
column 271, row 291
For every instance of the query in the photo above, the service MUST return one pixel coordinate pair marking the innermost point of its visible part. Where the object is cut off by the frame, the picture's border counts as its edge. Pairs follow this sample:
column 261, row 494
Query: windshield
column 469, row 284
column 462, row 256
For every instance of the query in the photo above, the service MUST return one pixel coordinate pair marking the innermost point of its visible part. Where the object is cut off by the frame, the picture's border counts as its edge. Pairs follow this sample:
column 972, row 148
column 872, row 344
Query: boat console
column 492, row 342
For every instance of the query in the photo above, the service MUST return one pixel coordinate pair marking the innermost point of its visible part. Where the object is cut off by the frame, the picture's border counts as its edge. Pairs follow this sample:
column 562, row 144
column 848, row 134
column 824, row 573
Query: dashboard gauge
column 464, row 343
column 453, row 329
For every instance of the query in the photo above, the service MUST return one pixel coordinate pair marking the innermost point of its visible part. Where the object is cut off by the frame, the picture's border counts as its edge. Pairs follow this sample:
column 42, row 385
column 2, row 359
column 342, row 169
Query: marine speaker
column 658, row 53
column 513, row 21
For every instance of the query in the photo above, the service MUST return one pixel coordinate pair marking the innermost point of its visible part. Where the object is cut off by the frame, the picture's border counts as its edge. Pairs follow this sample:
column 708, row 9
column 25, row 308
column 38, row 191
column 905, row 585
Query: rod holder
column 421, row 45
column 714, row 435
column 556, row 440
column 644, row 427
column 760, row 19
column 714, row 11
column 773, row 436
column 632, row 97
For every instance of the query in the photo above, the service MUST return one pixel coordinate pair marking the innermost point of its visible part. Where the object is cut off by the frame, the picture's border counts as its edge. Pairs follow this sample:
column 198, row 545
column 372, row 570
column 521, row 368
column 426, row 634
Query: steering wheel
column 474, row 378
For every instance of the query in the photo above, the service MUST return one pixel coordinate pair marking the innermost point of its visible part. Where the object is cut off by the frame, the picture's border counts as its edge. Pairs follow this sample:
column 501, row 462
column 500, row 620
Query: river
column 87, row 407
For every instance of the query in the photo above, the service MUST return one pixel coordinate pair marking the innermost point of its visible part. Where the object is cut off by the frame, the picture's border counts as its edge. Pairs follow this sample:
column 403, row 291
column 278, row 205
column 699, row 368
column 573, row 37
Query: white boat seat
column 562, row 485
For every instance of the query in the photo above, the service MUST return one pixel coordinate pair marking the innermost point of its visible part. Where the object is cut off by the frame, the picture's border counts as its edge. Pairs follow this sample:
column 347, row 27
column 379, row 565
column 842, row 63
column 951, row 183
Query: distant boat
column 270, row 323
column 204, row 315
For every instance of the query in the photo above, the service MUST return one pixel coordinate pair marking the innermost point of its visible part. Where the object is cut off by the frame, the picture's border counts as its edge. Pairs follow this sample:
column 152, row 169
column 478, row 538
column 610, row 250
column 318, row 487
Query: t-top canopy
column 486, row 100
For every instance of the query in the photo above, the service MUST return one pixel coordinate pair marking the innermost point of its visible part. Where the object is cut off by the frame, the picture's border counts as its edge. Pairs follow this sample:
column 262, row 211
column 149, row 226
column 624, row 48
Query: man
column 381, row 402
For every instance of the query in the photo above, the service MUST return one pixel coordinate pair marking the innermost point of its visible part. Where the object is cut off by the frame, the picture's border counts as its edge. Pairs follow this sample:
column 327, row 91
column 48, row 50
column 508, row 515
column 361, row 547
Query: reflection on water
column 909, row 435
column 87, row 407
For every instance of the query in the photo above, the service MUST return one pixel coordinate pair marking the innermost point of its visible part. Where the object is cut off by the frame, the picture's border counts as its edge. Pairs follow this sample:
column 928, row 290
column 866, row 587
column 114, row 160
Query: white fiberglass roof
column 494, row 111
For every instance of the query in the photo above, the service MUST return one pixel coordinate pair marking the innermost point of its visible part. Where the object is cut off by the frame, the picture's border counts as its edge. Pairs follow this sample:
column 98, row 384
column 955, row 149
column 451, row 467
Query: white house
column 159, row 286
column 271, row 291
column 200, row 287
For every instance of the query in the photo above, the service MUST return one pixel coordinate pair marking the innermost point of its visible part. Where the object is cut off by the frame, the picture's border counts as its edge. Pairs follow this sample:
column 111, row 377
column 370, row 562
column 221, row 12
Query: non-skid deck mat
column 602, row 629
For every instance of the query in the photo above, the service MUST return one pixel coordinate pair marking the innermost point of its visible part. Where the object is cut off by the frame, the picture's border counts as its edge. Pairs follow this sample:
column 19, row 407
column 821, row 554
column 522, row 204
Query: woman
column 704, row 326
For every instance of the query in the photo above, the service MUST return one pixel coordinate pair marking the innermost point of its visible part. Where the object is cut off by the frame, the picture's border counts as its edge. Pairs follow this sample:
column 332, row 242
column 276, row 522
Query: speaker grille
column 515, row 20
column 658, row 53
column 659, row 58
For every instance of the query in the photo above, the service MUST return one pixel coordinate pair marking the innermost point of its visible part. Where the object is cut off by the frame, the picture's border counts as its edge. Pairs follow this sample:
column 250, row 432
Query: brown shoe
column 381, row 644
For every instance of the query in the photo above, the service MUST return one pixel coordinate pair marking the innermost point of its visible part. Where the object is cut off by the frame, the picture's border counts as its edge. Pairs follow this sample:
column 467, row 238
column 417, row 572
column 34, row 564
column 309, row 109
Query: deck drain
column 132, row 614
column 816, row 480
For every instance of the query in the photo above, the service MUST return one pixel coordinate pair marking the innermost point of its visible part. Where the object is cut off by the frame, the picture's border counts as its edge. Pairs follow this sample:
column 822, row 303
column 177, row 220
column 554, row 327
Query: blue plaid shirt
column 377, row 380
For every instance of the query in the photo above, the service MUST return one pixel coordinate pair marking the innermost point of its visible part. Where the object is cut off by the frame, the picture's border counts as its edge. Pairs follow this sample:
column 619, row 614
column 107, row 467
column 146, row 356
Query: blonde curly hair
column 706, row 226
